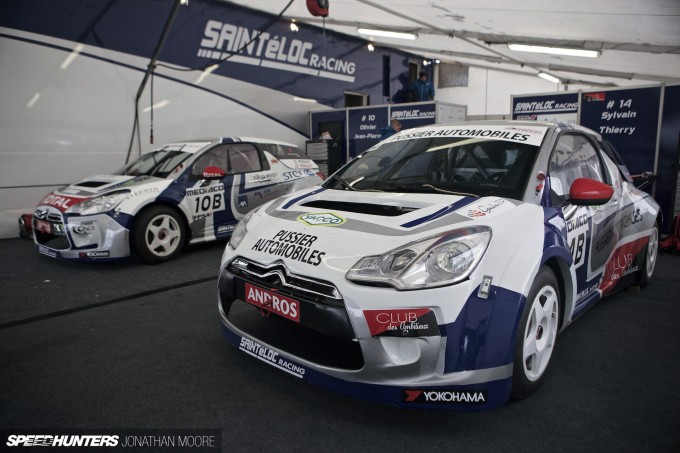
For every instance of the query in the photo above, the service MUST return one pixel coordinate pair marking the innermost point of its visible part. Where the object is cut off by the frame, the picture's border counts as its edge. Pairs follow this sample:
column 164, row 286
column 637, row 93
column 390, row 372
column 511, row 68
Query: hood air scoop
column 361, row 208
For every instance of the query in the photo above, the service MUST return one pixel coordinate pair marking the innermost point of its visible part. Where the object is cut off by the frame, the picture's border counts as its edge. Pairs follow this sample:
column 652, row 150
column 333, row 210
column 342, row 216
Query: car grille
column 324, row 334
column 56, row 238
column 276, row 276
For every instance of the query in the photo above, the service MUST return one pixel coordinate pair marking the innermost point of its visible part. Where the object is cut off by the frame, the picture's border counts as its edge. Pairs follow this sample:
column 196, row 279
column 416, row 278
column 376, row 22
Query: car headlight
column 240, row 230
column 97, row 205
column 435, row 261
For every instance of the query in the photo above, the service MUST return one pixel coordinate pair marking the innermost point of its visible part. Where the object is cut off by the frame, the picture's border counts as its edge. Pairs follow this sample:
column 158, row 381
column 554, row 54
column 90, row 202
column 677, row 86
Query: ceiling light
column 371, row 47
column 555, row 50
column 548, row 77
column 294, row 27
column 387, row 33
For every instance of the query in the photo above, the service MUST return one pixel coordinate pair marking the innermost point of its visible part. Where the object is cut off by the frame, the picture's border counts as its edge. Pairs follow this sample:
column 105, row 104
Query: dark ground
column 128, row 345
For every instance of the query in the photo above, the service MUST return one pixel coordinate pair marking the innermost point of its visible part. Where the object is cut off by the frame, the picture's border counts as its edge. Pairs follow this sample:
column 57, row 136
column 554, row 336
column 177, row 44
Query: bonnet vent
column 360, row 208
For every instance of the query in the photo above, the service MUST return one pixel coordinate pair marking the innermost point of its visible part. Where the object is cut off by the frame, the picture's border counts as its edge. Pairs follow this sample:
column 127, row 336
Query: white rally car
column 178, row 194
column 436, row 269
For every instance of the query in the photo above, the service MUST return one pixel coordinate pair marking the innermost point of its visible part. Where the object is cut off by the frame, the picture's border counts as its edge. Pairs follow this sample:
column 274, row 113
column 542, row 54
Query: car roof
column 196, row 144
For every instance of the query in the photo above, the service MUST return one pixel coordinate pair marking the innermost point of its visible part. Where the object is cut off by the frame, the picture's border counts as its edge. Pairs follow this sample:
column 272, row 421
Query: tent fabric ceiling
column 639, row 40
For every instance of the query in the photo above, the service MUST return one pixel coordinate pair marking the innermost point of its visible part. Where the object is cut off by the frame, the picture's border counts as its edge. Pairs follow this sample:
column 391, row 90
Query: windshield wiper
column 465, row 194
column 342, row 182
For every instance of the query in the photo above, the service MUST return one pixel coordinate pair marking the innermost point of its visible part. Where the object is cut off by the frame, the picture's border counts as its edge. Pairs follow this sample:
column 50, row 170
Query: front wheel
column 536, row 334
column 158, row 235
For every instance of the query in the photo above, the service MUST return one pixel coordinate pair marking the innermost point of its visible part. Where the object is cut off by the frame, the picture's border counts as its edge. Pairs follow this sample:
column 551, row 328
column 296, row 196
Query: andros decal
column 272, row 302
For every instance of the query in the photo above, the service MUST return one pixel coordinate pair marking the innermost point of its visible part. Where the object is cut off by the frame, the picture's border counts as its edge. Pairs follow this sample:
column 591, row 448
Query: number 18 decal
column 576, row 248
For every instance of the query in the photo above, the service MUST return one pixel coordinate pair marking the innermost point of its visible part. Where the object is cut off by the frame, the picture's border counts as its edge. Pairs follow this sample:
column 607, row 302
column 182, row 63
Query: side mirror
column 211, row 173
column 588, row 192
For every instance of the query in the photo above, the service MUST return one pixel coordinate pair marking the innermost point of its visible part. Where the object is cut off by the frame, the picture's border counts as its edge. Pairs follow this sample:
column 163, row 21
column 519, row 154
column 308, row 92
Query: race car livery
column 180, row 193
column 436, row 269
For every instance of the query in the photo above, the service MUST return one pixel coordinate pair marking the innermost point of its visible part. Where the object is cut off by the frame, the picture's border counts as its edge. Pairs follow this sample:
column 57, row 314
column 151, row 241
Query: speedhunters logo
column 444, row 396
column 180, row 440
column 270, row 51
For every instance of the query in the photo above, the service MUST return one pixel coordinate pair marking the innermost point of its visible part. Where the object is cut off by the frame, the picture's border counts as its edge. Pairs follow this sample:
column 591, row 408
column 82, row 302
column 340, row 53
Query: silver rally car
column 178, row 194
column 436, row 269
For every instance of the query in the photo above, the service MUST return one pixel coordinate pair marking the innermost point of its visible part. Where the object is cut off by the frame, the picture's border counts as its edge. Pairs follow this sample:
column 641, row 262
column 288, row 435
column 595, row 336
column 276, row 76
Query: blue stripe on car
column 442, row 212
column 302, row 197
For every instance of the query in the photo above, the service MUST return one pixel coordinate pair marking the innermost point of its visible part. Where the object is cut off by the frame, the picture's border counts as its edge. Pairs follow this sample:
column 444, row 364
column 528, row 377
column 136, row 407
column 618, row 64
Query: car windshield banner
column 531, row 135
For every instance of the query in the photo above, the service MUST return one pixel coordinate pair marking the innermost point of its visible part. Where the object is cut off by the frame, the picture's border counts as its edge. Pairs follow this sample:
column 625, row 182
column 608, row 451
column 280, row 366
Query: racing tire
column 158, row 235
column 536, row 334
column 649, row 258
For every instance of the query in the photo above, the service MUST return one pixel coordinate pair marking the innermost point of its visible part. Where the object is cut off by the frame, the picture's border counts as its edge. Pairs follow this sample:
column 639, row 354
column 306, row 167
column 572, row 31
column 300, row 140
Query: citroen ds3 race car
column 180, row 193
column 437, row 268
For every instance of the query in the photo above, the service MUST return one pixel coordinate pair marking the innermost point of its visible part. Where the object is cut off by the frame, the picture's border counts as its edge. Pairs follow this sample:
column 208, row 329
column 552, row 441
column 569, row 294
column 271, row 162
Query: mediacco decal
column 270, row 51
column 525, row 134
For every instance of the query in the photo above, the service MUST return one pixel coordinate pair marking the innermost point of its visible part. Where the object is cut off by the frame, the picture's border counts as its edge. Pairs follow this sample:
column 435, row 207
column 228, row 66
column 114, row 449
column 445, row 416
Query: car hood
column 93, row 186
column 342, row 226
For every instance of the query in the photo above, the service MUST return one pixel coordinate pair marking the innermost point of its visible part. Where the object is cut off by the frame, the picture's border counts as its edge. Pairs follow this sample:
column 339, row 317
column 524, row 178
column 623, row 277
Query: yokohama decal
column 444, row 396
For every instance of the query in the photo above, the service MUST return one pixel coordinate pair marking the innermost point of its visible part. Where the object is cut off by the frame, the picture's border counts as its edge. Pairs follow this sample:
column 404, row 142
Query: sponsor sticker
column 99, row 254
column 272, row 302
column 292, row 245
column 61, row 202
column 321, row 219
column 444, row 396
column 486, row 207
column 271, row 357
column 410, row 322
column 46, row 251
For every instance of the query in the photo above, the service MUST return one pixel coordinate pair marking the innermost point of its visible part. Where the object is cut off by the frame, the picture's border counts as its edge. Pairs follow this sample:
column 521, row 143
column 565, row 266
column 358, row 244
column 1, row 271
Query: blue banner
column 414, row 115
column 669, row 154
column 309, row 63
column 629, row 119
column 365, row 127
column 549, row 107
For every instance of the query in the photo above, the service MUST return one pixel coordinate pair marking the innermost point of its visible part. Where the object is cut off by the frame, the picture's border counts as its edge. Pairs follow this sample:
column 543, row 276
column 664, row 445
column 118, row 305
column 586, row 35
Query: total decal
column 267, row 50
column 61, row 202
column 444, row 396
column 415, row 322
column 270, row 357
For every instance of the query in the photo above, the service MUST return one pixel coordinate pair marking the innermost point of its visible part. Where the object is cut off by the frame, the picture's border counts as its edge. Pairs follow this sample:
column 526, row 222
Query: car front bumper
column 333, row 346
column 87, row 238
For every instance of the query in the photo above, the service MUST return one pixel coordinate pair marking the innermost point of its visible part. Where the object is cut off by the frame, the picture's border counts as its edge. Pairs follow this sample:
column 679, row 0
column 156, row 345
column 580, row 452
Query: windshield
column 156, row 163
column 461, row 166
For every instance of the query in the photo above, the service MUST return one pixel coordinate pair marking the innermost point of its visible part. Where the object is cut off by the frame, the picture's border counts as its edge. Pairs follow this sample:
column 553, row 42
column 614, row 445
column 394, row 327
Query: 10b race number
column 204, row 204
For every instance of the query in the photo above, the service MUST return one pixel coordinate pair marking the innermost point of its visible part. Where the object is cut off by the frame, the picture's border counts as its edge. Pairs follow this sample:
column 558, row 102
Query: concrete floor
column 127, row 345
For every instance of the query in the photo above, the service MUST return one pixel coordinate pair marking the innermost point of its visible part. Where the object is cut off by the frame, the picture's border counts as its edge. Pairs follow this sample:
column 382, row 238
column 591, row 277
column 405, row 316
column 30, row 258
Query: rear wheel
column 536, row 334
column 649, row 259
column 158, row 235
